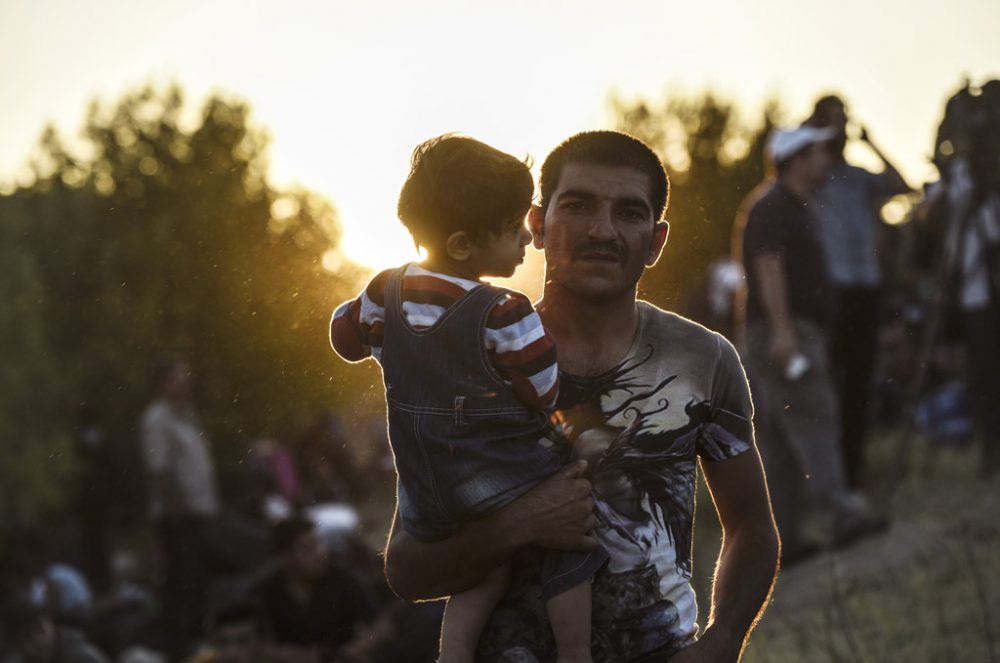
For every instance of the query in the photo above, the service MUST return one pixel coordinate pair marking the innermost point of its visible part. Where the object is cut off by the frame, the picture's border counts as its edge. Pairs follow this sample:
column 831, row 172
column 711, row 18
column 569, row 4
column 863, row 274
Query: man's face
column 178, row 384
column 599, row 231
column 307, row 558
column 836, row 117
column 816, row 164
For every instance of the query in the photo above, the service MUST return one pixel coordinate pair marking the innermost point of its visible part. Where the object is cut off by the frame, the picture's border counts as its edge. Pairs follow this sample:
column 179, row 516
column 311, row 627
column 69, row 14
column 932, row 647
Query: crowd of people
column 280, row 572
column 817, row 300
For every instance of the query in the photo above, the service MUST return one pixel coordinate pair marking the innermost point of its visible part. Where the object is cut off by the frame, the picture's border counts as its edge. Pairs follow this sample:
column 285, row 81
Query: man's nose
column 602, row 226
column 525, row 236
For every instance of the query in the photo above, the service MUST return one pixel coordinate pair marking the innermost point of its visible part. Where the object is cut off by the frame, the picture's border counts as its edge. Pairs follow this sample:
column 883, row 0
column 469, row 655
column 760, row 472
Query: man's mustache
column 611, row 249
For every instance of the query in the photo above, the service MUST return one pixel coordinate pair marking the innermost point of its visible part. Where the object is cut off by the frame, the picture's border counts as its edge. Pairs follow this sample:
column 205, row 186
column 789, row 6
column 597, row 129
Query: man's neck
column 591, row 337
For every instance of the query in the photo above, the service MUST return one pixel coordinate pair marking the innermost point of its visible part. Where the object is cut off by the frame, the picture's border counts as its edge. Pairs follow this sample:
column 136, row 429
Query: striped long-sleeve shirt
column 515, row 340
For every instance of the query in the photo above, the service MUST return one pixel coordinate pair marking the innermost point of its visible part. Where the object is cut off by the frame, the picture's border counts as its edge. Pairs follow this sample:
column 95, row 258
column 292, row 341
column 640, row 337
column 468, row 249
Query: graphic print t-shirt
column 679, row 394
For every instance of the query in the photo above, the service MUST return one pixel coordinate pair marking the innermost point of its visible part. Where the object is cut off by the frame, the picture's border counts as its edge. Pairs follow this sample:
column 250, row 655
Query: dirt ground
column 928, row 589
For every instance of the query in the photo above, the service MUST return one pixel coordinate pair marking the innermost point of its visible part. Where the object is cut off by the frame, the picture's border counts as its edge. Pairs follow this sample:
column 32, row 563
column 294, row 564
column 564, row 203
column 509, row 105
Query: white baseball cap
column 785, row 143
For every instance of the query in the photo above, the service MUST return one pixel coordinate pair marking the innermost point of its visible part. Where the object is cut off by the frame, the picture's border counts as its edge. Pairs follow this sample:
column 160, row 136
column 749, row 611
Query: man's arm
column 770, row 269
column 898, row 185
column 748, row 562
column 557, row 513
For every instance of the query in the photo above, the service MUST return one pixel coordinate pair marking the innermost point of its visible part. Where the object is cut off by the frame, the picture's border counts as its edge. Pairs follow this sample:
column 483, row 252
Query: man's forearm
column 744, row 579
column 419, row 570
column 900, row 184
column 770, row 270
column 749, row 559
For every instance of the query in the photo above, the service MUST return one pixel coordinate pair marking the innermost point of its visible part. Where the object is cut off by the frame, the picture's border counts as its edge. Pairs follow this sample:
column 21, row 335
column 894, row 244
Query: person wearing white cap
column 787, row 318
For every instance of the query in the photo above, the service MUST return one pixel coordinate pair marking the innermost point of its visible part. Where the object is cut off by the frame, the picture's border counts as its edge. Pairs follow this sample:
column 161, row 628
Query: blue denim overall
column 464, row 444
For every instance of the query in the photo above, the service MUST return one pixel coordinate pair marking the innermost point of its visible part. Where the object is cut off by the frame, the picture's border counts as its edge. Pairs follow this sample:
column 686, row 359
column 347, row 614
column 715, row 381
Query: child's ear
column 536, row 224
column 458, row 246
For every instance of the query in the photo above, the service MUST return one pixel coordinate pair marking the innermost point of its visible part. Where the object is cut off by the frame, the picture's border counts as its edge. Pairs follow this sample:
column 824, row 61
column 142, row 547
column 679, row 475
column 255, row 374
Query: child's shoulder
column 375, row 290
column 510, row 308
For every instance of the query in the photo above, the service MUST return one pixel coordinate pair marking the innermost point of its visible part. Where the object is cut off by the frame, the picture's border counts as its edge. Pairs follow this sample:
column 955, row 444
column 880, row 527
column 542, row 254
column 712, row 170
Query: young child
column 469, row 372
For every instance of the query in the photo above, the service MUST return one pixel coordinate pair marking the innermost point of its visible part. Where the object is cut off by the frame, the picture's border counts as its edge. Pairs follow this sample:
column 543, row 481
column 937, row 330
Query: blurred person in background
column 963, row 210
column 94, row 494
column 310, row 604
column 29, row 635
column 329, row 472
column 236, row 633
column 848, row 204
column 787, row 321
column 183, row 497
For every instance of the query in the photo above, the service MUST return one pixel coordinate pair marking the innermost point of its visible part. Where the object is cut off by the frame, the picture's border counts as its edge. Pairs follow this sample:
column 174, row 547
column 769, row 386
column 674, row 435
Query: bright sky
column 347, row 89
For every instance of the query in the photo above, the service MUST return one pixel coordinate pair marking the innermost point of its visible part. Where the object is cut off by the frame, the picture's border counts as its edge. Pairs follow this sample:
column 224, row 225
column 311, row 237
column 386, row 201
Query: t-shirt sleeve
column 766, row 229
column 522, row 351
column 356, row 325
column 730, row 431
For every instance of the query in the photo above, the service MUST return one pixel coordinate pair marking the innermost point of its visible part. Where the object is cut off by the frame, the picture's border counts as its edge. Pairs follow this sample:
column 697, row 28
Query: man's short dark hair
column 822, row 108
column 458, row 183
column 607, row 148
column 286, row 533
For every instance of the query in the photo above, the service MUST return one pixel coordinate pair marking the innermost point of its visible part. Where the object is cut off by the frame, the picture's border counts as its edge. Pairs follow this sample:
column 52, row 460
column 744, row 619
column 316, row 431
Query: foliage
column 164, row 237
column 714, row 161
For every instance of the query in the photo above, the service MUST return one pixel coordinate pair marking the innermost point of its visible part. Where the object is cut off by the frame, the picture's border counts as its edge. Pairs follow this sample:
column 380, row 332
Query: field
column 926, row 590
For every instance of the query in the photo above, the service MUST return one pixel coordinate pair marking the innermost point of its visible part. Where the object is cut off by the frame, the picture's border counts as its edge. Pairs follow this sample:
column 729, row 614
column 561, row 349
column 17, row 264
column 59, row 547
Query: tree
column 160, row 237
column 714, row 161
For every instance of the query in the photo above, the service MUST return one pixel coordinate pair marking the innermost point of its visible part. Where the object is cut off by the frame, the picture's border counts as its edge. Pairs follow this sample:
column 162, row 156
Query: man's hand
column 707, row 650
column 783, row 346
column 557, row 513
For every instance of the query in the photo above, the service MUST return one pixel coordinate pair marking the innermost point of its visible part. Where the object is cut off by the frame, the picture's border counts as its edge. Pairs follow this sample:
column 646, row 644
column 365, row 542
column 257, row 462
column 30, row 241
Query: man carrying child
column 644, row 395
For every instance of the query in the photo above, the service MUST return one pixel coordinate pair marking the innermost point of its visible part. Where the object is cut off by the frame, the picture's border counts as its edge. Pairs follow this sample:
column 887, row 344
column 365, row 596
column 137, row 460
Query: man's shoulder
column 772, row 200
column 662, row 325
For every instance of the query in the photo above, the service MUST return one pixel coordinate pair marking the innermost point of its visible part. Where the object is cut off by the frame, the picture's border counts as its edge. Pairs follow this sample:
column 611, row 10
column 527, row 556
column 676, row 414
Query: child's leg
column 466, row 614
column 569, row 614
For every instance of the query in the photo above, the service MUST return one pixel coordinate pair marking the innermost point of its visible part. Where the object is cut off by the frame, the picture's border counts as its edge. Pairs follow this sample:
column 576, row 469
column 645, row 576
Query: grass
column 926, row 590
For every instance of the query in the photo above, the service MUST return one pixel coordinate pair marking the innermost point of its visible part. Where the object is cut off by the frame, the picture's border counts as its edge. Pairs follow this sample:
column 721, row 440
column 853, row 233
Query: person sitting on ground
column 309, row 603
column 237, row 633
column 29, row 635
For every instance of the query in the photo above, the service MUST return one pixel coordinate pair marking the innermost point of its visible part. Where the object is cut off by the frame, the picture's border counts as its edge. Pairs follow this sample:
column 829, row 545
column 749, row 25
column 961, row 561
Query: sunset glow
column 347, row 90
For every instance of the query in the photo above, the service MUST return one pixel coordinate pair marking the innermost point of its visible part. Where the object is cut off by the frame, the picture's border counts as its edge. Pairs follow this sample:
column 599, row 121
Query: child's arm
column 522, row 351
column 356, row 326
